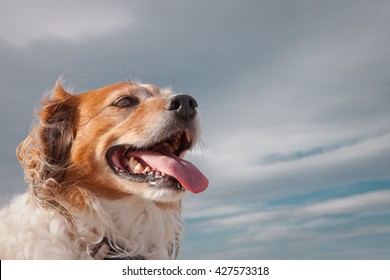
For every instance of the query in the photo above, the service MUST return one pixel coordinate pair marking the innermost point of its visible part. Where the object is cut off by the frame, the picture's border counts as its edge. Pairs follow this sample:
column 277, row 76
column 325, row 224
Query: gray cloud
column 53, row 20
column 273, row 79
column 299, row 231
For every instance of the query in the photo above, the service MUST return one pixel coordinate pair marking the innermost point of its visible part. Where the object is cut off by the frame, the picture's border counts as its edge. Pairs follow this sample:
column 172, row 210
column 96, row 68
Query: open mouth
column 159, row 165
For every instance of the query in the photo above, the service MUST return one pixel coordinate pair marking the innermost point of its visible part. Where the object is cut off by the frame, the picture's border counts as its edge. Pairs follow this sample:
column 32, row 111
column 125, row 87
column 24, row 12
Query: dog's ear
column 56, row 132
column 44, row 154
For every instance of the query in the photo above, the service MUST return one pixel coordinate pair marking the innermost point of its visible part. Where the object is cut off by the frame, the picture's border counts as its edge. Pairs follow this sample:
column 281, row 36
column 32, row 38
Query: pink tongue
column 184, row 171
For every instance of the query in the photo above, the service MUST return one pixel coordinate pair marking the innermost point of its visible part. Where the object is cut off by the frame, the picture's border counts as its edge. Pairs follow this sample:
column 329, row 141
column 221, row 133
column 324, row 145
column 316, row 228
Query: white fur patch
column 138, row 226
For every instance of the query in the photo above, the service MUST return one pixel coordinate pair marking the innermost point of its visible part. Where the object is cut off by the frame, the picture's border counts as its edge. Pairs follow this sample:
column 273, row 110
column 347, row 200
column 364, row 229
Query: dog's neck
column 142, row 228
column 107, row 250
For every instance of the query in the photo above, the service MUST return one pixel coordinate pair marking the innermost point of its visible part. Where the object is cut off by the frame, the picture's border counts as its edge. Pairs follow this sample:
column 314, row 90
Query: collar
column 105, row 250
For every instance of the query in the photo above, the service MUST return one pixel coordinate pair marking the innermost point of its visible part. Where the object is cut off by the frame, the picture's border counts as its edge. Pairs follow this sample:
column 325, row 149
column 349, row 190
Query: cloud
column 354, row 204
column 308, row 115
column 26, row 22
column 351, row 205
column 251, row 176
column 293, row 97
column 299, row 227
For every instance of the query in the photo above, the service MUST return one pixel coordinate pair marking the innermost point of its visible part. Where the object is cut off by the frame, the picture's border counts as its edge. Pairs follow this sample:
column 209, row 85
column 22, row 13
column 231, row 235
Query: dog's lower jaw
column 162, row 194
column 144, row 191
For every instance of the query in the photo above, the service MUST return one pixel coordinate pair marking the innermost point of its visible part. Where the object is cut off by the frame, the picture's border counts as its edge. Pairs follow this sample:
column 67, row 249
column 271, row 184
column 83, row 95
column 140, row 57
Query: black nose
column 183, row 105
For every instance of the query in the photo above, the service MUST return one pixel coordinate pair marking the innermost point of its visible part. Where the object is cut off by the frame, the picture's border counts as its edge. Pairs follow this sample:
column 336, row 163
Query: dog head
column 124, row 139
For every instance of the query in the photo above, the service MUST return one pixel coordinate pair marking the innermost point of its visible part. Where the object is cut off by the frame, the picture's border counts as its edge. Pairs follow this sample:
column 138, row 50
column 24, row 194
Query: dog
column 106, row 176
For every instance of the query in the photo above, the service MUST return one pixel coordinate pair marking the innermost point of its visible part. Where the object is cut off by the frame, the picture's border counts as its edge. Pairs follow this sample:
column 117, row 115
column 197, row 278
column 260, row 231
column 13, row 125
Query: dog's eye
column 126, row 101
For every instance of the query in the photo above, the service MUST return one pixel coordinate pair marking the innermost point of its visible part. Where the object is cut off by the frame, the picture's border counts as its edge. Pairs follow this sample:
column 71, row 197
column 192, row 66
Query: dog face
column 124, row 139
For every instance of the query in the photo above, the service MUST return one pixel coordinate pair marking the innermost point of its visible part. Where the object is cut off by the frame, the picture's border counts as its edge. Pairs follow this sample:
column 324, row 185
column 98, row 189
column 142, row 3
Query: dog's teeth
column 147, row 169
column 138, row 168
column 133, row 162
column 188, row 136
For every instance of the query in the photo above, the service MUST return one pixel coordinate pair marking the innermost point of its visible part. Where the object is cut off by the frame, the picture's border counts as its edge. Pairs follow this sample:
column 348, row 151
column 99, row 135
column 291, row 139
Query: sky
column 294, row 98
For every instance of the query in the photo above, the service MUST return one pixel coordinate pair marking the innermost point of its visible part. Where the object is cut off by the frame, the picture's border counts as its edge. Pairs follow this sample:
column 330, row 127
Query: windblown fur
column 74, row 199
